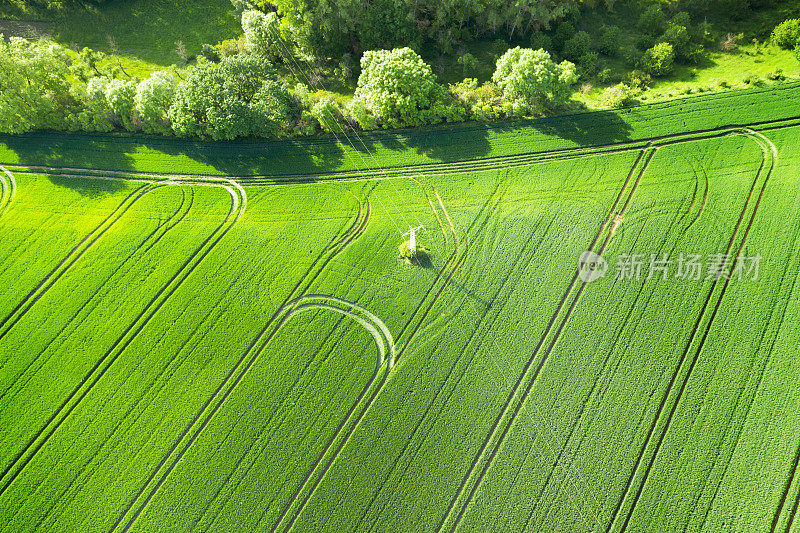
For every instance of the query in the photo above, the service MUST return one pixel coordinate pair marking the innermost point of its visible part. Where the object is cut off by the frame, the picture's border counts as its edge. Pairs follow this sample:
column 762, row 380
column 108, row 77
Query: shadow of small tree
column 420, row 258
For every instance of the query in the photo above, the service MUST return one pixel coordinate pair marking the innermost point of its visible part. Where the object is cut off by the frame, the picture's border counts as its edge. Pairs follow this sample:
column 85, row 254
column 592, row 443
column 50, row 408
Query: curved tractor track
column 517, row 397
column 7, row 189
column 238, row 205
column 683, row 370
column 297, row 301
column 201, row 419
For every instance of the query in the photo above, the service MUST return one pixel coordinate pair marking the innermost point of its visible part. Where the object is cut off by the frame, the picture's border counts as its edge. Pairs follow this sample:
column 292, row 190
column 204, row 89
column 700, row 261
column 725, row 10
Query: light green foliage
column 659, row 60
column 617, row 95
column 34, row 91
column 262, row 34
column 787, row 33
column 96, row 114
column 238, row 98
column 153, row 99
column 533, row 76
column 120, row 96
column 399, row 89
column 679, row 36
column 327, row 114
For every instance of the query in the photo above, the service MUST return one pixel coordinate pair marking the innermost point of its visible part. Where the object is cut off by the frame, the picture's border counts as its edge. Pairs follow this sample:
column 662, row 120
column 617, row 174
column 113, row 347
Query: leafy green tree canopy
column 34, row 91
column 262, row 33
column 533, row 76
column 153, row 99
column 659, row 60
column 239, row 98
column 398, row 88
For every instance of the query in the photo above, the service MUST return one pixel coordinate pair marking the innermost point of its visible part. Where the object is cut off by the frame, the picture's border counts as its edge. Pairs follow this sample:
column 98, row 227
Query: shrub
column 328, row 115
column 468, row 63
column 153, row 99
column 609, row 41
column 603, row 76
column 682, row 19
column 632, row 57
column 541, row 40
column 404, row 251
column 533, row 76
column 577, row 46
column 618, row 96
column 121, row 95
column 652, row 21
column 777, row 74
column 637, row 79
column 399, row 89
column 563, row 33
column 786, row 34
column 678, row 37
column 659, row 60
column 210, row 53
column 589, row 64
column 750, row 78
column 482, row 102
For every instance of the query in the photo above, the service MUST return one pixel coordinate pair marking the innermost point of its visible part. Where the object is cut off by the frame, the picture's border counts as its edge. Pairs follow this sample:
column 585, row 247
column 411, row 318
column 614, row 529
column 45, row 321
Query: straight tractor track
column 153, row 238
column 238, row 205
column 683, row 227
column 701, row 329
column 234, row 377
column 485, row 455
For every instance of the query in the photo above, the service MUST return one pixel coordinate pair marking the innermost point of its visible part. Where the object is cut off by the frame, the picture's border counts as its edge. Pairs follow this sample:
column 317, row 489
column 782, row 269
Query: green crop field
column 222, row 337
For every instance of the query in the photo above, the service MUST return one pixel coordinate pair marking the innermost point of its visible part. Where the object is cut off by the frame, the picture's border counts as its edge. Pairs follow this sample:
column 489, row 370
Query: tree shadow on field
column 586, row 129
column 67, row 152
column 252, row 157
column 166, row 155
column 91, row 187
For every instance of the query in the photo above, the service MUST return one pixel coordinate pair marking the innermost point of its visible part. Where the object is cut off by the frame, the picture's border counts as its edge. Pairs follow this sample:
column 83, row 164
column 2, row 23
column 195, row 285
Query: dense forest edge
column 289, row 71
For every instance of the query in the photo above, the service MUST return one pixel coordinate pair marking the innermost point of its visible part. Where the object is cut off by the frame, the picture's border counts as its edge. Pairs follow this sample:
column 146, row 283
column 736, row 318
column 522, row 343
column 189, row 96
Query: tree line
column 242, row 95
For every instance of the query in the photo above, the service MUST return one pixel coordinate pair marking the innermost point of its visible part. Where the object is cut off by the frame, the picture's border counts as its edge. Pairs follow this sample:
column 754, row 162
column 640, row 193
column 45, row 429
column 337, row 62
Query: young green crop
column 168, row 377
